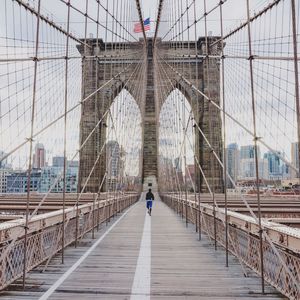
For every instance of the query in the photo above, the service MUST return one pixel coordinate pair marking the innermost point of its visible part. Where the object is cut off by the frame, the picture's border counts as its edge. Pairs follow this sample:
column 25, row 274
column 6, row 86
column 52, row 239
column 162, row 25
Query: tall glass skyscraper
column 232, row 156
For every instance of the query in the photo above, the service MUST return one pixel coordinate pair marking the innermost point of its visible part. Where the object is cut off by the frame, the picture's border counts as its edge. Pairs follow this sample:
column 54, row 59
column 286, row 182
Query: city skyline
column 241, row 164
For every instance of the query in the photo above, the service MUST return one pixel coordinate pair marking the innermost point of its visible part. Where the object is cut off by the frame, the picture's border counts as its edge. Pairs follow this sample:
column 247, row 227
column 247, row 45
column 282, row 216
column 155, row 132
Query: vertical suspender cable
column 197, row 116
column 83, row 95
column 210, row 112
column 296, row 73
column 224, row 133
column 102, row 110
column 31, row 138
column 96, row 61
column 65, row 133
column 255, row 148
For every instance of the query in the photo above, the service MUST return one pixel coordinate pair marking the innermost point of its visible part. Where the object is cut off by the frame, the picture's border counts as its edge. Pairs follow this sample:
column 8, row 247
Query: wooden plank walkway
column 143, row 257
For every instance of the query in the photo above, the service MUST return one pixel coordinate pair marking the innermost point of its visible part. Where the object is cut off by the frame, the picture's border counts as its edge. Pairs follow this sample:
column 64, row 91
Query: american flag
column 138, row 28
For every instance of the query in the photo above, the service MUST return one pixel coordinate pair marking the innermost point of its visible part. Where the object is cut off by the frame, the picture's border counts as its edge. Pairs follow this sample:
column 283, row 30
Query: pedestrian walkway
column 141, row 257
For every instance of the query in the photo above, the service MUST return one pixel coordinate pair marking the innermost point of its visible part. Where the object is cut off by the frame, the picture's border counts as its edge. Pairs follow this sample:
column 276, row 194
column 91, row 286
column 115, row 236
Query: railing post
column 98, row 214
column 76, row 223
column 93, row 216
column 106, row 211
column 199, row 211
column 195, row 210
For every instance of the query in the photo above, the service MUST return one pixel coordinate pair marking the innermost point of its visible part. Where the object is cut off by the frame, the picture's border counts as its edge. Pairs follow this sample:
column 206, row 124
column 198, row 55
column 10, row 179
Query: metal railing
column 45, row 238
column 244, row 243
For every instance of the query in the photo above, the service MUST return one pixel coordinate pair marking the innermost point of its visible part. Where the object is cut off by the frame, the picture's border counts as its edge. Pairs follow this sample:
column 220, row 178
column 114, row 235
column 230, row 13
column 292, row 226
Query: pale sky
column 274, row 88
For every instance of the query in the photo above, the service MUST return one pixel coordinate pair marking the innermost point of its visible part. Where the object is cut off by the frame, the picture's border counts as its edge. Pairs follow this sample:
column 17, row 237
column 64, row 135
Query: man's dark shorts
column 149, row 204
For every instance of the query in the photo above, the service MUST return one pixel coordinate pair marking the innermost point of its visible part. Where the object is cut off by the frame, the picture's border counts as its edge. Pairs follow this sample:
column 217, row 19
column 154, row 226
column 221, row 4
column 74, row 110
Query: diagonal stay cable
column 207, row 184
column 265, row 234
column 195, row 89
column 3, row 254
column 69, row 111
column 49, row 22
column 160, row 6
column 138, row 6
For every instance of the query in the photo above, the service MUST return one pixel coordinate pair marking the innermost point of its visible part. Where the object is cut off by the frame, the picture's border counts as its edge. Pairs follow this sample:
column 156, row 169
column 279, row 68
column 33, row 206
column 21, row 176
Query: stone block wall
column 96, row 72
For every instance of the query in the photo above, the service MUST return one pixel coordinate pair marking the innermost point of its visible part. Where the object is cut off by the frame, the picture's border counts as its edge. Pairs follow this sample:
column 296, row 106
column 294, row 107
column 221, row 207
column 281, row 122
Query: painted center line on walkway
column 142, row 279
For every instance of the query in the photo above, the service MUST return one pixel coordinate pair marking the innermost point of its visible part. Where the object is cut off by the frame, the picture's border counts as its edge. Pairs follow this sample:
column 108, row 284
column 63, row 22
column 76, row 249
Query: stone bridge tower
column 95, row 74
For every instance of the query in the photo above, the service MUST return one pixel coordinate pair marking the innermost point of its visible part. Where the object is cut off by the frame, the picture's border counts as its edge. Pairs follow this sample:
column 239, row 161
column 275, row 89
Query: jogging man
column 149, row 199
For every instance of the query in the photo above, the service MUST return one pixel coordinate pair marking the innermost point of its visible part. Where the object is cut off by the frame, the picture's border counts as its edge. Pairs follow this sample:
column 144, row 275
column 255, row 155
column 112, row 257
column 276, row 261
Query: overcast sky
column 271, row 35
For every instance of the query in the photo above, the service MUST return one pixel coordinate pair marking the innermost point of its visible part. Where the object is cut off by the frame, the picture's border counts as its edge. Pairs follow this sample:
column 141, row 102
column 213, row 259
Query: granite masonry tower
column 96, row 71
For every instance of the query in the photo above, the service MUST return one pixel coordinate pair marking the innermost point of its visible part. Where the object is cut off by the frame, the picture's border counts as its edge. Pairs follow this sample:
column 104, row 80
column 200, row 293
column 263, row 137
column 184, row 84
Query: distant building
column 3, row 163
column 112, row 158
column 286, row 171
column 114, row 163
column 17, row 181
column 232, row 158
column 3, row 179
column 274, row 165
column 263, row 168
column 248, row 168
column 295, row 159
column 248, row 152
column 73, row 164
column 39, row 156
column 5, row 170
column 52, row 180
column 58, row 161
column 178, row 164
column 42, row 179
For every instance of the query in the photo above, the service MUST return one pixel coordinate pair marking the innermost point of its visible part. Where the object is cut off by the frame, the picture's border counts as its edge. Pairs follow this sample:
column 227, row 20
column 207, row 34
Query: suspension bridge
column 102, row 100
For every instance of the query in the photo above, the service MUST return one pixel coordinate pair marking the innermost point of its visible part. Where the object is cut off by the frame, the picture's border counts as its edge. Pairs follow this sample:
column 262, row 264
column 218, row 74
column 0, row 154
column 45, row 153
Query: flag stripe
column 138, row 28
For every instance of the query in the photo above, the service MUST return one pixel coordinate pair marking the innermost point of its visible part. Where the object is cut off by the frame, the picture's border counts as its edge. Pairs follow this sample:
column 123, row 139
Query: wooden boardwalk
column 142, row 257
